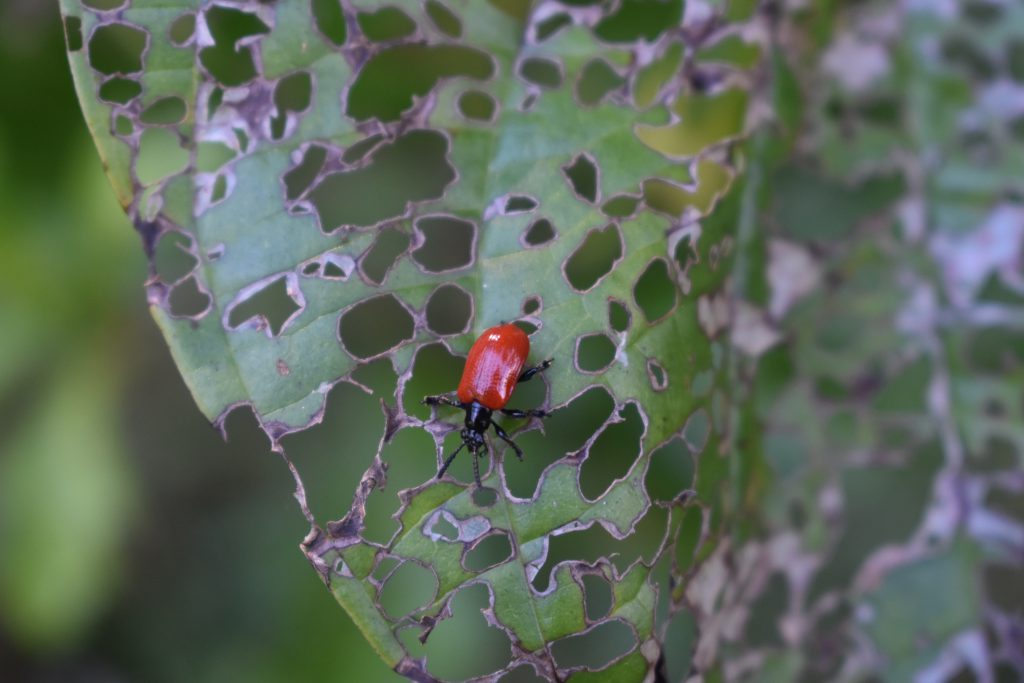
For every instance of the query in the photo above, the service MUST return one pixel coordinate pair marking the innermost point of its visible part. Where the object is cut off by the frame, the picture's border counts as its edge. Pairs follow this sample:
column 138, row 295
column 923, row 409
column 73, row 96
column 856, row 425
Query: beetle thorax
column 478, row 419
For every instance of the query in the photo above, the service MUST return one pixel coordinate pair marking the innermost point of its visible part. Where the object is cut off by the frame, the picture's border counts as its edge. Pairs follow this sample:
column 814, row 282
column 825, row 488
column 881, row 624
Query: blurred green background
column 134, row 543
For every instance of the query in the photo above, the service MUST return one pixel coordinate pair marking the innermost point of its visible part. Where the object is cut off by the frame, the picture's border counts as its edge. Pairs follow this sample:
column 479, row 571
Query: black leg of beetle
column 507, row 439
column 441, row 401
column 528, row 373
column 444, row 467
column 512, row 412
column 476, row 469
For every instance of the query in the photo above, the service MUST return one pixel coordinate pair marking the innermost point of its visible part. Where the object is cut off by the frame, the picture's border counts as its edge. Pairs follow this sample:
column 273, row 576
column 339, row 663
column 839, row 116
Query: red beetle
column 493, row 369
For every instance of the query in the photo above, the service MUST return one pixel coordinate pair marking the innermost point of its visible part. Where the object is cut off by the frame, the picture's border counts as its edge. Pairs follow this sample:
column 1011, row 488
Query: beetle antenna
column 444, row 467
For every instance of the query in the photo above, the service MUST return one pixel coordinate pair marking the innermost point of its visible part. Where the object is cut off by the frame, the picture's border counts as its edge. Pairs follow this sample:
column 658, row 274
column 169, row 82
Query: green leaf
column 367, row 192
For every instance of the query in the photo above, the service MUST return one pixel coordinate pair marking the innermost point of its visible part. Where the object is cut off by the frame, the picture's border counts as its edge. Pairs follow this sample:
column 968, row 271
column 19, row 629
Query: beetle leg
column 444, row 467
column 441, row 400
column 512, row 412
column 528, row 373
column 476, row 469
column 507, row 439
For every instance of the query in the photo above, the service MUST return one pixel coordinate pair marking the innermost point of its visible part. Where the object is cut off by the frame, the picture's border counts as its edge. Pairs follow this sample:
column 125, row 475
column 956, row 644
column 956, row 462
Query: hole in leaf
column 172, row 258
column 447, row 243
column 526, row 326
column 387, row 23
column 552, row 25
column 444, row 19
column 356, row 151
column 292, row 94
column 389, row 245
column 594, row 353
column 337, row 267
column 73, row 33
column 621, row 206
column 103, row 5
column 640, row 19
column 565, row 431
column 540, row 232
column 229, row 63
column 523, row 674
column 436, row 370
column 410, row 462
column 484, row 497
column 388, row 82
column 212, row 155
column 409, row 588
column 477, row 105
column 597, row 80
column 489, row 551
column 543, row 72
column 413, row 168
column 598, row 594
column 531, row 305
column 182, row 29
column 613, row 453
column 187, row 300
column 461, row 469
column 596, row 648
column 445, row 529
column 123, row 126
column 220, row 189
column 214, row 101
column 117, row 49
column 656, row 373
column 329, row 19
column 273, row 303
column 449, row 310
column 481, row 648
column 655, row 293
column 120, row 90
column 594, row 542
column 164, row 112
column 298, row 179
column 619, row 316
column 384, row 566
column 594, row 258
column 520, row 204
column 582, row 175
column 670, row 472
column 160, row 155
column 375, row 326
